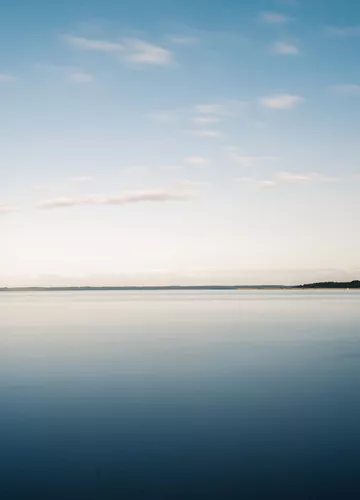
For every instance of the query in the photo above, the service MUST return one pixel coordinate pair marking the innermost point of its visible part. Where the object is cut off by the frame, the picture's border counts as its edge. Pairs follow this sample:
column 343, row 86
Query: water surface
column 178, row 395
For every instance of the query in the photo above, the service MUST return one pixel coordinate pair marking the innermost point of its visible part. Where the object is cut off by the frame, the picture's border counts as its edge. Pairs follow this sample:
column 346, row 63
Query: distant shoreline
column 312, row 286
column 136, row 288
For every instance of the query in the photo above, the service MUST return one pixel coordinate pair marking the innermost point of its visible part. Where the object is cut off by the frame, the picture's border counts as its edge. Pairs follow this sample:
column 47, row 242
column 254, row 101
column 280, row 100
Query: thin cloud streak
column 141, row 52
column 80, row 77
column 285, row 49
column 123, row 199
column 347, row 88
column 197, row 160
column 95, row 45
column 5, row 78
column 7, row 209
column 281, row 101
column 206, row 133
column 229, row 107
column 347, row 31
column 290, row 178
column 267, row 183
column 205, row 120
column 248, row 160
column 132, row 50
column 273, row 18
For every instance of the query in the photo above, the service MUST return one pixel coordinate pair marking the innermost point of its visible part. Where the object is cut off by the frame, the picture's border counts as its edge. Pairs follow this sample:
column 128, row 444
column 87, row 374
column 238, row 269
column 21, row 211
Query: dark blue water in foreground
column 180, row 395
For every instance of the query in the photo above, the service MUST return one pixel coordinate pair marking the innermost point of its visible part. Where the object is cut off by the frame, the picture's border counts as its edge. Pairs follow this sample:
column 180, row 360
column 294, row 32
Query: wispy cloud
column 267, row 183
column 79, row 77
column 201, row 115
column 295, row 178
column 197, row 160
column 184, row 40
column 4, row 78
column 247, row 160
column 205, row 120
column 274, row 17
column 326, row 178
column 163, row 116
column 141, row 52
column 288, row 178
column 256, row 183
column 132, row 50
column 227, row 108
column 160, row 195
column 346, row 31
column 348, row 88
column 206, row 133
column 291, row 178
column 285, row 48
column 69, row 73
column 6, row 209
column 95, row 45
column 281, row 101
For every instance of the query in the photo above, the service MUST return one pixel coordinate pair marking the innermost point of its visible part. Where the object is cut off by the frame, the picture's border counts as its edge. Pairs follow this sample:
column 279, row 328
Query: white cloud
column 6, row 209
column 95, row 45
column 281, row 101
column 205, row 120
column 285, row 48
column 347, row 31
column 254, row 183
column 267, row 183
column 273, row 17
column 227, row 108
column 206, row 133
column 81, row 179
column 197, row 160
column 350, row 88
column 80, row 77
column 244, row 161
column 4, row 78
column 288, row 178
column 291, row 178
column 71, row 74
column 184, row 40
column 141, row 52
column 161, row 195
column 132, row 50
column 247, row 160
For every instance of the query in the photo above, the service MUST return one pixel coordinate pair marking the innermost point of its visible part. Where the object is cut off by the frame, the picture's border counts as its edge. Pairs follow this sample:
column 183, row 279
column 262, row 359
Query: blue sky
column 179, row 142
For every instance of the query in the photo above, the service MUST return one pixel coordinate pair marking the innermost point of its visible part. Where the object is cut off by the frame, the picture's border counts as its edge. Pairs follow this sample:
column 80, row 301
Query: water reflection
column 181, row 395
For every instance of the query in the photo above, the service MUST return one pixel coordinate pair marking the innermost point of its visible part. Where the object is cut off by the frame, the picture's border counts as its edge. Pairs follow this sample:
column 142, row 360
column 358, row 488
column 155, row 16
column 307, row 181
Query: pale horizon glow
column 176, row 144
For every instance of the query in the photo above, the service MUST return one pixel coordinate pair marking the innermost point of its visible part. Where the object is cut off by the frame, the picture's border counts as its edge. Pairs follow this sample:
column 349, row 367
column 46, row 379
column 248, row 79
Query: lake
column 180, row 395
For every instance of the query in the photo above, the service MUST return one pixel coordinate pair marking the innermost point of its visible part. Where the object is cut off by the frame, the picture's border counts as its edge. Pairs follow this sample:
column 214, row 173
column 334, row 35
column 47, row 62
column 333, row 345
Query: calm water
column 180, row 395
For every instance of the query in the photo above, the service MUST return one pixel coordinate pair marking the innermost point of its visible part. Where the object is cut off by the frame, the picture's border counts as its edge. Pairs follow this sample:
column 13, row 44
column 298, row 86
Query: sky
column 179, row 142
